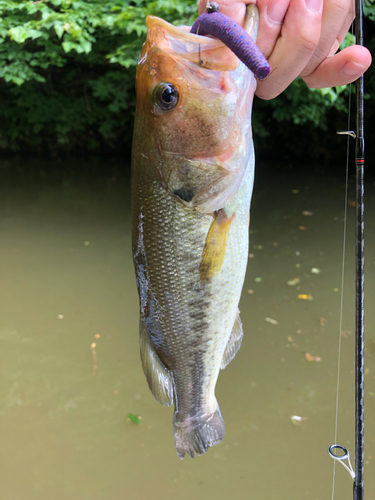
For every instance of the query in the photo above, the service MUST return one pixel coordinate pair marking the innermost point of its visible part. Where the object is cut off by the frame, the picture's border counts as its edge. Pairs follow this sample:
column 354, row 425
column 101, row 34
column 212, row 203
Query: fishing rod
column 360, row 270
column 357, row 474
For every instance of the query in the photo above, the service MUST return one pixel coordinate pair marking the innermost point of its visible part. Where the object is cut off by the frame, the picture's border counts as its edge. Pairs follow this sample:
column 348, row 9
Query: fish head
column 193, row 94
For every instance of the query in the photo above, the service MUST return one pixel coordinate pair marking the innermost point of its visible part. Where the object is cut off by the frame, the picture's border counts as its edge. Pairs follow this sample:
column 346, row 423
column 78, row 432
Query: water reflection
column 67, row 282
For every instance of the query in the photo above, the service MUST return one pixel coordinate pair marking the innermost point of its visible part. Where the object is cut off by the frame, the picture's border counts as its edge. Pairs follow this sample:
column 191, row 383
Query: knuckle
column 309, row 42
column 341, row 6
column 267, row 92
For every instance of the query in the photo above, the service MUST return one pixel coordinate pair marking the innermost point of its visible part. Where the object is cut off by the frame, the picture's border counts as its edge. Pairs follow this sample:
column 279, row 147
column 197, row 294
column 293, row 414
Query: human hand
column 300, row 38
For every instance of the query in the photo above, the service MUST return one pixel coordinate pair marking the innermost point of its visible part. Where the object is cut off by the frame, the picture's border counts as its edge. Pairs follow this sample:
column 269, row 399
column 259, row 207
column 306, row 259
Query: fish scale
column 189, row 323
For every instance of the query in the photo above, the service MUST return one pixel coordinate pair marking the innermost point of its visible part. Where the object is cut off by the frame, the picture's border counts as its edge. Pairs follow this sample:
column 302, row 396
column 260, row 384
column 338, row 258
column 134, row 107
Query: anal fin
column 215, row 245
column 234, row 342
column 158, row 377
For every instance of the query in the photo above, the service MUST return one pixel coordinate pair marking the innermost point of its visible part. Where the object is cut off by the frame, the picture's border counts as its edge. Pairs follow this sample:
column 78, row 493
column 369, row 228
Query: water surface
column 67, row 282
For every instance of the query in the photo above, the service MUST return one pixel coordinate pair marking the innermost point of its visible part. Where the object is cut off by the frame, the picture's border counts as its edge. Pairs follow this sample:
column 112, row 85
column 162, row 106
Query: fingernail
column 315, row 5
column 352, row 68
column 276, row 10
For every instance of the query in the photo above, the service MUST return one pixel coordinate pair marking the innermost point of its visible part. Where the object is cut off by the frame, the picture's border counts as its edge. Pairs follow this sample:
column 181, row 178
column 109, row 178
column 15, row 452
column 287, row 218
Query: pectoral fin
column 158, row 377
column 234, row 342
column 214, row 248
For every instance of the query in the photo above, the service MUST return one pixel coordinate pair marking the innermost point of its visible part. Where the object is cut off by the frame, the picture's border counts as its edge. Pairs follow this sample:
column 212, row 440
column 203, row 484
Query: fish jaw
column 207, row 121
column 199, row 149
column 211, row 54
column 204, row 122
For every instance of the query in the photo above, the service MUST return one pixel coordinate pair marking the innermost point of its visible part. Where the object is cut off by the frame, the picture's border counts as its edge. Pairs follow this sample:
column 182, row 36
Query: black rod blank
column 358, row 492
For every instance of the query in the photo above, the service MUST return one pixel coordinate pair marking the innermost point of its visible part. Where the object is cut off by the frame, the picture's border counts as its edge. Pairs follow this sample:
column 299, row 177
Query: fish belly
column 189, row 327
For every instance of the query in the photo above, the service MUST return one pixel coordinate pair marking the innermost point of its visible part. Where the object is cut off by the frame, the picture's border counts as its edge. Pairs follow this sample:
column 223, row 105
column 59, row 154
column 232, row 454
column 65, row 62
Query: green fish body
column 192, row 180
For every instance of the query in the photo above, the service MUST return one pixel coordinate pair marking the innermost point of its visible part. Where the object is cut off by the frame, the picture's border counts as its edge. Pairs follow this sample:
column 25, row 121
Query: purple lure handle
column 234, row 37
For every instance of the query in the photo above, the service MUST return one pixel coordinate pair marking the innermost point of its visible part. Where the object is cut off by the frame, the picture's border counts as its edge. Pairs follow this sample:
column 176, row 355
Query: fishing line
column 357, row 475
column 342, row 280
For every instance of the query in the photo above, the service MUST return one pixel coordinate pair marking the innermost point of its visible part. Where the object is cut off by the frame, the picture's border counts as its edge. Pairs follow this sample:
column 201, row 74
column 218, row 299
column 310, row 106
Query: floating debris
column 115, row 392
column 251, row 255
column 94, row 359
column 306, row 212
column 311, row 358
column 322, row 321
column 351, row 204
column 275, row 244
column 297, row 420
column 315, row 270
column 295, row 191
column 305, row 296
column 345, row 333
column 298, row 253
column 86, row 243
column 60, row 316
column 273, row 321
column 250, row 291
column 290, row 338
column 293, row 282
column 136, row 419
column 258, row 280
column 298, row 265
column 303, row 228
column 97, row 335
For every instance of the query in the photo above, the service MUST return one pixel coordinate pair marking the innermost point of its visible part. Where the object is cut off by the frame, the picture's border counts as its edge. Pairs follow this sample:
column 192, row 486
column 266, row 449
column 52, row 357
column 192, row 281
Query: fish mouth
column 204, row 51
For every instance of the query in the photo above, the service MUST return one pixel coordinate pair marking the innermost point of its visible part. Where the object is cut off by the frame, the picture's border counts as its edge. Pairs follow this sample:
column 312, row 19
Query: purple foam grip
column 236, row 38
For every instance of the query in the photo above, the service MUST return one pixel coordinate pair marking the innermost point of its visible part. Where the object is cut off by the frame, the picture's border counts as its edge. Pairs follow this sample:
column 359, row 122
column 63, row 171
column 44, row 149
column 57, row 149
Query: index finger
column 300, row 34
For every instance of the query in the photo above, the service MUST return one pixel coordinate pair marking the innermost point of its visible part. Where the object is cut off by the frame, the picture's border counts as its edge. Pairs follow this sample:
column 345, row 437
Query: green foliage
column 369, row 9
column 61, row 26
column 309, row 106
column 67, row 69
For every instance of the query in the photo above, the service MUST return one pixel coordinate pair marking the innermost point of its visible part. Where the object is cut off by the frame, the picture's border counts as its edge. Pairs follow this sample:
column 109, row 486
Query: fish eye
column 166, row 96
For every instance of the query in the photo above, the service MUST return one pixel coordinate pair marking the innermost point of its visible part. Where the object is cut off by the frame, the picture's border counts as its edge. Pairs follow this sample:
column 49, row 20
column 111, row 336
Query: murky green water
column 67, row 282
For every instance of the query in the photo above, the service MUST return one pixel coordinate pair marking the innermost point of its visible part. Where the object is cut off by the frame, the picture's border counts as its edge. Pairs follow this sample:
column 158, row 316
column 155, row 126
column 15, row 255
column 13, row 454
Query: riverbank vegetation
column 67, row 70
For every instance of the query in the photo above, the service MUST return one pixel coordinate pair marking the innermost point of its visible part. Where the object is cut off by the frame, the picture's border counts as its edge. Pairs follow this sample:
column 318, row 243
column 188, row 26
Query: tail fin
column 197, row 435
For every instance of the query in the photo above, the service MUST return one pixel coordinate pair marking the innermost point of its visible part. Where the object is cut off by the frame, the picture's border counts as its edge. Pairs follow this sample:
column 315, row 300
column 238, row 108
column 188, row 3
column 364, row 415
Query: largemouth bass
column 192, row 180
